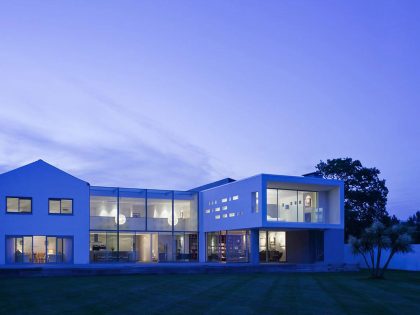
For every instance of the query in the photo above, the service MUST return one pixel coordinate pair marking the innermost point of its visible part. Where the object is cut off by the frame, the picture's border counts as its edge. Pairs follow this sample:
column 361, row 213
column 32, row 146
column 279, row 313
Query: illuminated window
column 225, row 215
column 217, row 209
column 254, row 197
column 224, row 200
column 217, row 217
column 236, row 197
column 60, row 206
column 207, row 211
column 224, row 208
column 18, row 205
column 231, row 215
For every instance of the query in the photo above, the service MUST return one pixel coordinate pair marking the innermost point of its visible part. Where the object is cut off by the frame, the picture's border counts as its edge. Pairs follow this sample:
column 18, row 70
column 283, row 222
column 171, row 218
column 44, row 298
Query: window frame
column 19, row 198
column 60, row 200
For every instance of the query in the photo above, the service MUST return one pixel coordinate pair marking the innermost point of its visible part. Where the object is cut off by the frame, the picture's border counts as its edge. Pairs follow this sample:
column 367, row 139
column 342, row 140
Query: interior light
column 175, row 220
column 122, row 218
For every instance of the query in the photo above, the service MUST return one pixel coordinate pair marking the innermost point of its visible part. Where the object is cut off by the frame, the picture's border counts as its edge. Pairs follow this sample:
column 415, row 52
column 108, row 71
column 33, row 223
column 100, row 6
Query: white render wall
column 410, row 261
column 41, row 181
column 241, row 208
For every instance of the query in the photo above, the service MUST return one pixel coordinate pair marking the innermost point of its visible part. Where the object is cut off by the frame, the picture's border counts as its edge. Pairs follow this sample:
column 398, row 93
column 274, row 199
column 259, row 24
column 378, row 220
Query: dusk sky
column 174, row 94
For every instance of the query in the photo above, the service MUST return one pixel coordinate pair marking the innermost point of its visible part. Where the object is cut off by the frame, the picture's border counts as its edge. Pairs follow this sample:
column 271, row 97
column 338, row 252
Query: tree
column 375, row 240
column 413, row 223
column 365, row 194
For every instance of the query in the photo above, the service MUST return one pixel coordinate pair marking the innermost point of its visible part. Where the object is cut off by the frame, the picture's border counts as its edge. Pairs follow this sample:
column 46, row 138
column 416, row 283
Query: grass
column 281, row 293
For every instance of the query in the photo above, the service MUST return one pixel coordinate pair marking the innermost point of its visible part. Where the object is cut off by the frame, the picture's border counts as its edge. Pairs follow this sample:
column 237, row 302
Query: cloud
column 97, row 139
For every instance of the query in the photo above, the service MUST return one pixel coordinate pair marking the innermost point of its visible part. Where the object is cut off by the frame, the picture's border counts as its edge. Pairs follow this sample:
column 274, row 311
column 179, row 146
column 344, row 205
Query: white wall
column 333, row 248
column 241, row 209
column 41, row 181
column 410, row 261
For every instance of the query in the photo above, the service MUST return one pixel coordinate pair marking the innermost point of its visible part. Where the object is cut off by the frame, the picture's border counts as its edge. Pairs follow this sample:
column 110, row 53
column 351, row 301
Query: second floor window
column 60, row 206
column 19, row 205
column 255, row 202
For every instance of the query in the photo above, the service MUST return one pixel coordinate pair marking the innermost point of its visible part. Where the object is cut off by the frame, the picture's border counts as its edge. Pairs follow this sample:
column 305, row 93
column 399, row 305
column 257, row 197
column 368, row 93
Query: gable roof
column 40, row 164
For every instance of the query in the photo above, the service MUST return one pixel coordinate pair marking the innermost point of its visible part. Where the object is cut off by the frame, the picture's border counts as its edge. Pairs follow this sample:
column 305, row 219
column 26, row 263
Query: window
column 60, row 206
column 254, row 197
column 38, row 249
column 293, row 206
column 18, row 205
column 236, row 197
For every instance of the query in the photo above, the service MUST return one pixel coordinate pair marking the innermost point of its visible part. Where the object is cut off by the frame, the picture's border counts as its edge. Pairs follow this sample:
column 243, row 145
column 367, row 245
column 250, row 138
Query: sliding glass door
column 272, row 246
column 39, row 249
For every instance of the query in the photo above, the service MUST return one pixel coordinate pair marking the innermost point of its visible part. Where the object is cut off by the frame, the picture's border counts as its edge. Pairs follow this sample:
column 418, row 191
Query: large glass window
column 39, row 249
column 228, row 246
column 18, row 205
column 287, row 205
column 127, row 247
column 185, row 211
column 308, row 207
column 132, row 208
column 272, row 209
column 186, row 246
column 103, row 246
column 213, row 247
column 165, row 247
column 134, row 225
column 60, row 206
column 293, row 206
column 272, row 246
column 237, row 246
column 103, row 212
column 159, row 210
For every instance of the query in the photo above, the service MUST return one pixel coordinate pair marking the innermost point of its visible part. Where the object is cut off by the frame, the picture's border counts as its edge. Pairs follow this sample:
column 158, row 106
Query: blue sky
column 173, row 94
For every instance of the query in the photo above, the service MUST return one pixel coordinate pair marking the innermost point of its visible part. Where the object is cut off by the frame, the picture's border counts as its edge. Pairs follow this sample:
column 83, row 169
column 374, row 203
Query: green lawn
column 280, row 293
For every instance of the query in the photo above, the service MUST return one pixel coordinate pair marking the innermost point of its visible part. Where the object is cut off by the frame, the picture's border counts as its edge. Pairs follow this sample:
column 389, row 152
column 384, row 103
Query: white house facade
column 48, row 216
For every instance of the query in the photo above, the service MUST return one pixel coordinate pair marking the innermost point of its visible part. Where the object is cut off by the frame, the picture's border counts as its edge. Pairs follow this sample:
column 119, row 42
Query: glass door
column 51, row 249
column 272, row 247
column 19, row 250
column 27, row 249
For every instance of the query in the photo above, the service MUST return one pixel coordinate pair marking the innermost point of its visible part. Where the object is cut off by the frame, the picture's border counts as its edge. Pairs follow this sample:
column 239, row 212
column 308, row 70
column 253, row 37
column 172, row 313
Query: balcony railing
column 313, row 215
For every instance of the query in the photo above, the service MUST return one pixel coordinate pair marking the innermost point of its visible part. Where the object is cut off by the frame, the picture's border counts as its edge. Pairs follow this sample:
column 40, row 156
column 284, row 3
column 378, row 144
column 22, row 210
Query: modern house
column 48, row 216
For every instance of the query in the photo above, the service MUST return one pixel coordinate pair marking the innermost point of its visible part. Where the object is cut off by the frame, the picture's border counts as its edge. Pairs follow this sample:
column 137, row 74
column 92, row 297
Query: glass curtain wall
column 185, row 215
column 159, row 210
column 135, row 225
column 186, row 246
column 132, row 209
column 293, row 206
column 103, row 208
column 228, row 246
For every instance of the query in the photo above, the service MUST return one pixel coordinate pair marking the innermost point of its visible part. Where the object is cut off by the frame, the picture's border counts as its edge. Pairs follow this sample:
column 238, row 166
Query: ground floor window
column 37, row 249
column 143, row 247
column 228, row 246
column 272, row 246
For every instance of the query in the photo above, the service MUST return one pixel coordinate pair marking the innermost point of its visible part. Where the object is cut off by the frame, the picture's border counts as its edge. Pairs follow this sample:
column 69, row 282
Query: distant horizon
column 177, row 94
